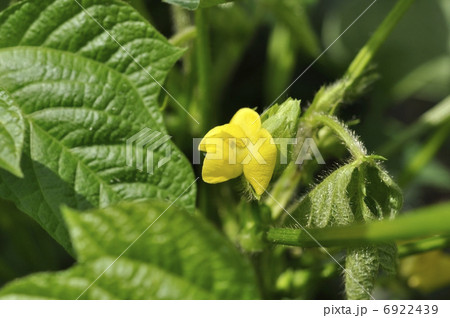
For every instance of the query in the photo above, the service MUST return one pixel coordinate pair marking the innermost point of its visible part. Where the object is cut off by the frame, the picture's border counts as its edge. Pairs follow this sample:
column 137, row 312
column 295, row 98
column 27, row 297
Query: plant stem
column 423, row 246
column 184, row 36
column 203, row 60
column 282, row 190
column 353, row 145
column 330, row 97
column 165, row 103
column 428, row 221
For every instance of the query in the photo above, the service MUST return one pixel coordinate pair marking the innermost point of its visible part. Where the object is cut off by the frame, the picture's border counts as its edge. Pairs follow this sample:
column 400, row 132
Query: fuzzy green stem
column 428, row 221
column 353, row 145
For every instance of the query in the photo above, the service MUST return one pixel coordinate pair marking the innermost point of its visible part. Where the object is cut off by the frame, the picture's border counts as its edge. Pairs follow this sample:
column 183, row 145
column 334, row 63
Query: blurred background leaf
column 25, row 247
column 257, row 49
column 159, row 251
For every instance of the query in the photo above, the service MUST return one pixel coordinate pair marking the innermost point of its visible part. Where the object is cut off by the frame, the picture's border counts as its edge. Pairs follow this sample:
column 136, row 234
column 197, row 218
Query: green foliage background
column 70, row 97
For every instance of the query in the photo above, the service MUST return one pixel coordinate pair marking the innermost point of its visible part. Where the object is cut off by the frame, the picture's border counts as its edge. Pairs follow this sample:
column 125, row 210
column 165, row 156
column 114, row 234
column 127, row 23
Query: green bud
column 281, row 121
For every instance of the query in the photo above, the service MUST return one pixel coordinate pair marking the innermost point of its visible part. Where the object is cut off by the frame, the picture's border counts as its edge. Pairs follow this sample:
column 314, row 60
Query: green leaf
column 387, row 256
column 82, row 97
column 12, row 132
column 360, row 191
column 3, row 4
column 329, row 203
column 94, row 29
column 196, row 4
column 174, row 256
column 383, row 196
column 124, row 280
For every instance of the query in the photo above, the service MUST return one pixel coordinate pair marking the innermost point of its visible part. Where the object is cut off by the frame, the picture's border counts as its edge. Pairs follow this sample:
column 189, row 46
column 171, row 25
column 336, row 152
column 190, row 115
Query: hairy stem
column 353, row 145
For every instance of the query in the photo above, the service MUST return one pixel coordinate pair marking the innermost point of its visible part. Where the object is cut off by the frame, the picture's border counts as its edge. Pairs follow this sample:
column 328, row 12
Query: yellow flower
column 242, row 146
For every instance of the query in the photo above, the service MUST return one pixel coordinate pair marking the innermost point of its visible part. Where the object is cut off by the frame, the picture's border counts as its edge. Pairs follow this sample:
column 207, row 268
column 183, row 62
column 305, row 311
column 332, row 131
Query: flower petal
column 219, row 170
column 259, row 173
column 248, row 120
column 227, row 131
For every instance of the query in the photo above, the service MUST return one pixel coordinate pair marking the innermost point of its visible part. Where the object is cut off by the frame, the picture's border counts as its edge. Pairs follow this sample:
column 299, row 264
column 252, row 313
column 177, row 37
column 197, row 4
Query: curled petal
column 259, row 172
column 224, row 132
column 217, row 170
column 248, row 120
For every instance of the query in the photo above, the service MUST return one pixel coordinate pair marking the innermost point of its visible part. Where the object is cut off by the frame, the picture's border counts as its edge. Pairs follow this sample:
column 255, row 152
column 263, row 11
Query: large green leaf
column 108, row 31
column 175, row 255
column 82, row 97
column 12, row 132
column 196, row 4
